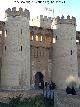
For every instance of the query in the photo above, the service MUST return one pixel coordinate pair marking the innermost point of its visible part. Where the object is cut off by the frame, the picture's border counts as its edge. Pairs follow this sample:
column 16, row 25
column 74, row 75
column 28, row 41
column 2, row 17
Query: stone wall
column 41, row 21
column 65, row 67
column 64, row 64
column 2, row 24
column 16, row 50
column 41, row 52
column 78, row 50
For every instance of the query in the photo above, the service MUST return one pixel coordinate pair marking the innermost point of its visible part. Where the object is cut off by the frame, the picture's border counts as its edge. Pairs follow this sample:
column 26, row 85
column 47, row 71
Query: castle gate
column 39, row 79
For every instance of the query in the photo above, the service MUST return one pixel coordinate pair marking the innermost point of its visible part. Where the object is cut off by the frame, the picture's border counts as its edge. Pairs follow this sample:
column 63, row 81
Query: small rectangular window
column 21, row 48
column 71, row 52
column 5, row 33
column 41, row 38
column 36, row 38
column 21, row 31
column 56, row 38
column 77, row 41
column 31, row 37
column 0, row 32
column 5, row 48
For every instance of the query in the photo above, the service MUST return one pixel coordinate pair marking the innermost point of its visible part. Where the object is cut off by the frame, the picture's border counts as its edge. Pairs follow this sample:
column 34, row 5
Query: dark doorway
column 39, row 82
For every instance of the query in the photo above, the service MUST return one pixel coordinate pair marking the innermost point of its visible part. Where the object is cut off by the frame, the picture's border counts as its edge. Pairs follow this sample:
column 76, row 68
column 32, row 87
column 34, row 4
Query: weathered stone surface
column 54, row 61
column 65, row 66
column 16, row 53
column 42, row 21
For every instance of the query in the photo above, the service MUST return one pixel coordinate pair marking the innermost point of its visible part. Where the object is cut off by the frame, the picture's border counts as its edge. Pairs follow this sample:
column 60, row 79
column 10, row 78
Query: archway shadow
column 39, row 82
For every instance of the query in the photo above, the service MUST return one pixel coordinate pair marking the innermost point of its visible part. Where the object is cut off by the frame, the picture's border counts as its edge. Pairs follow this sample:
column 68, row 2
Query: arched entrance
column 39, row 80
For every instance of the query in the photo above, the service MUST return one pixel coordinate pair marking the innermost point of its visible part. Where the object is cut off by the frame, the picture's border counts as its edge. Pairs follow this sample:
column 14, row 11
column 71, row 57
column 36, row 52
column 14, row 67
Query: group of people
column 71, row 90
column 48, row 92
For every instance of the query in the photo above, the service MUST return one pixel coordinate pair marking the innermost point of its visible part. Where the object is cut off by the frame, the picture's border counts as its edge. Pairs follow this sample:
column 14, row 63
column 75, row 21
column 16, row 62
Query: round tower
column 16, row 50
column 65, row 67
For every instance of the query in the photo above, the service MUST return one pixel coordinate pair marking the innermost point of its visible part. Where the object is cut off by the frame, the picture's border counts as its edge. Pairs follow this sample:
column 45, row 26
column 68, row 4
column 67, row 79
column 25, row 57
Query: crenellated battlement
column 45, row 18
column 45, row 21
column 13, row 12
column 62, row 20
column 42, row 21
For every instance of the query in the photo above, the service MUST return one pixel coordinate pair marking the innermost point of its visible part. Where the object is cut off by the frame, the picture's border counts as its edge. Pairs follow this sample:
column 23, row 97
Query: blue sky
column 70, row 7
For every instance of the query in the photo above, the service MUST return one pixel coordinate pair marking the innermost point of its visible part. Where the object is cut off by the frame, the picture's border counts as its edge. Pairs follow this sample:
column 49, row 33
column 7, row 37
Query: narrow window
column 5, row 48
column 21, row 48
column 36, row 38
column 21, row 31
column 5, row 33
column 41, row 38
column 56, row 38
column 77, row 41
column 32, row 38
column 71, row 52
column 0, row 32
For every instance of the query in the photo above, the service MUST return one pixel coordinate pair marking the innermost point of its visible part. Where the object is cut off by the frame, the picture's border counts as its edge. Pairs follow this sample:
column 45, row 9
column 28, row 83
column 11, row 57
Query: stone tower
column 16, row 51
column 42, row 21
column 65, row 67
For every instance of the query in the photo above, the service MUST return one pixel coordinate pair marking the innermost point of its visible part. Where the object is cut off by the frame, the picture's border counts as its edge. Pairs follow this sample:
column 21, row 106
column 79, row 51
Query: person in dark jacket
column 73, row 91
column 68, row 90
